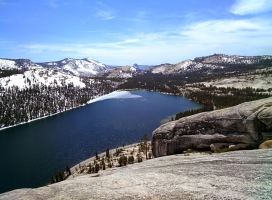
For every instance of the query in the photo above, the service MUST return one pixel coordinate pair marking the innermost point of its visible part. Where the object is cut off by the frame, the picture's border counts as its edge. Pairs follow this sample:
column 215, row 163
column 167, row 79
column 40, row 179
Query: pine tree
column 107, row 153
column 52, row 180
column 97, row 168
column 68, row 170
column 145, row 140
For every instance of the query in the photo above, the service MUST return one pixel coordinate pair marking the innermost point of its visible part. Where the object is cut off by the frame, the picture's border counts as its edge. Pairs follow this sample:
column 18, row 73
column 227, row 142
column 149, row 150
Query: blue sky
column 122, row 32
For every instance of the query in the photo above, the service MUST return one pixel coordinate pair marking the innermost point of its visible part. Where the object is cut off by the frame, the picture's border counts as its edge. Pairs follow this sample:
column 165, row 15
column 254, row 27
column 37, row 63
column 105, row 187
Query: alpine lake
column 34, row 152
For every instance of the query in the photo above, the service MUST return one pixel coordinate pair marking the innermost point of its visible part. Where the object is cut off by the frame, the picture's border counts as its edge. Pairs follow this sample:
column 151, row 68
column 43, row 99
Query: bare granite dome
column 244, row 126
column 232, row 175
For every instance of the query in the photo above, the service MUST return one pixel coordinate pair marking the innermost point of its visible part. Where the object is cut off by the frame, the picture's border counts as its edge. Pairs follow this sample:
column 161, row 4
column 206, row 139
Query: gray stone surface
column 239, row 127
column 232, row 175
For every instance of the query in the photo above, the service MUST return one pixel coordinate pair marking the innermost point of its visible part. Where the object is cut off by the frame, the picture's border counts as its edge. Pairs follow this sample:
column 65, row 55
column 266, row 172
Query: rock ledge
column 244, row 126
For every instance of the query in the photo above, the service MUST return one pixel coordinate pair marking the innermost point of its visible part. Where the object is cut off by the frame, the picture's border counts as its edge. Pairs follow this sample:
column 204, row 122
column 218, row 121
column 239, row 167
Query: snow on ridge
column 95, row 62
column 116, row 95
column 7, row 64
column 185, row 64
column 82, row 66
column 40, row 77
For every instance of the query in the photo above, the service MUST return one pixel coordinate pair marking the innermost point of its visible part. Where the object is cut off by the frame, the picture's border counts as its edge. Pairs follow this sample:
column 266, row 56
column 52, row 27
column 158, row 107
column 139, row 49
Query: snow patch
column 7, row 64
column 116, row 95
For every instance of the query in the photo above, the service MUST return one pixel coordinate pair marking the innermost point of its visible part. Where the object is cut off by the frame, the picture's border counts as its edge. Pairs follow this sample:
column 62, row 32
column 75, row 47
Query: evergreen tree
column 107, row 153
column 68, row 170
column 60, row 176
column 52, row 180
column 130, row 159
column 145, row 140
column 97, row 168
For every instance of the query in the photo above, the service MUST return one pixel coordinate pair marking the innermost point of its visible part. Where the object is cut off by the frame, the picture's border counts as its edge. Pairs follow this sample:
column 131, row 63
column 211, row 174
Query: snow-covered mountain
column 91, row 68
column 119, row 72
column 142, row 67
column 20, row 64
column 182, row 67
column 227, row 59
column 78, row 67
column 41, row 76
column 25, row 73
column 208, row 63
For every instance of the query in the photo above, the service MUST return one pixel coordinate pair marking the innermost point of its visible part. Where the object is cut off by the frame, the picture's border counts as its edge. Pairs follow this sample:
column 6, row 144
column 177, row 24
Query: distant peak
column 89, row 59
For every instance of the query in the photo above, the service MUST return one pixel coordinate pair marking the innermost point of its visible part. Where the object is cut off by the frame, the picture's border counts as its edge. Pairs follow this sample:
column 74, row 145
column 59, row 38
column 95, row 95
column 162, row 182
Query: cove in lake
column 32, row 153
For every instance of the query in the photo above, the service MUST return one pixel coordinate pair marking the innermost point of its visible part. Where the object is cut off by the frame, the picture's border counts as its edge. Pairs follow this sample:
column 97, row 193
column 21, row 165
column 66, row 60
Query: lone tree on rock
column 68, row 170
column 144, row 144
column 107, row 153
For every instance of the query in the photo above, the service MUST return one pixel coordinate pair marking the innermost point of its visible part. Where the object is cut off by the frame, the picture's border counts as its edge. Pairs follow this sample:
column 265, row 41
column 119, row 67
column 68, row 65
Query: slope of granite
column 244, row 126
column 232, row 175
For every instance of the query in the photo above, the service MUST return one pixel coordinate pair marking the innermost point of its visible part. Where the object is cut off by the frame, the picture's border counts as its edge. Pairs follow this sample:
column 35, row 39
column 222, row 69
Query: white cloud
column 221, row 29
column 244, row 7
column 232, row 36
column 105, row 15
column 243, row 37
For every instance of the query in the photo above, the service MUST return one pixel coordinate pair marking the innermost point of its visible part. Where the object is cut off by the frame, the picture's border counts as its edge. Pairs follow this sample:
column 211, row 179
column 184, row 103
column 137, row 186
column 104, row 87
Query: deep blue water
column 32, row 153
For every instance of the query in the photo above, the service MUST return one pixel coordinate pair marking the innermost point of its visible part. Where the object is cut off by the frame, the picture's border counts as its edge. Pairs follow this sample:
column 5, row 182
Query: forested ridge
column 189, row 86
column 21, row 105
column 213, row 98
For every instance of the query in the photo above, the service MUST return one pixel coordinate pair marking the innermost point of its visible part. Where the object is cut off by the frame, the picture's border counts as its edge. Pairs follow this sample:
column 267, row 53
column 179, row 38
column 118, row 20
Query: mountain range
column 24, row 72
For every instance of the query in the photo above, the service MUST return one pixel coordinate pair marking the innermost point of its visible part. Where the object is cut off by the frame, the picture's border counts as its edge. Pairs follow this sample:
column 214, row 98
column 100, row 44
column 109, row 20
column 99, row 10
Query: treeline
column 218, row 98
column 121, row 157
column 170, row 83
column 6, row 73
column 154, row 82
column 61, row 175
column 21, row 105
column 193, row 111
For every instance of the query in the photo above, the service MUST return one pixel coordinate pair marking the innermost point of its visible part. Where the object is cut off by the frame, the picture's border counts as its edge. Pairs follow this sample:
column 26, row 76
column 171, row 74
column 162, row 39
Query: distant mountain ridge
column 89, row 67
column 77, row 67
column 208, row 63
column 21, row 64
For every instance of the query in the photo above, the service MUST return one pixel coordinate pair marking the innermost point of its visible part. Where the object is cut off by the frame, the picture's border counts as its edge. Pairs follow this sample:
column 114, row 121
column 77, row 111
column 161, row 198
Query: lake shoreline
column 102, row 154
column 51, row 115
column 71, row 138
column 88, row 102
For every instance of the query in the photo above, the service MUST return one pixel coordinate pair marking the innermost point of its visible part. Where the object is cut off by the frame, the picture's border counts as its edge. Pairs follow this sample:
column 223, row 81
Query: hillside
column 232, row 175
column 77, row 67
column 213, row 63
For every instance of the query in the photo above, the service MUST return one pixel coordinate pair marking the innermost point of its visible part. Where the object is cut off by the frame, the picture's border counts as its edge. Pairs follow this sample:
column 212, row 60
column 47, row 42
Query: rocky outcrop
column 232, row 175
column 244, row 126
column 266, row 145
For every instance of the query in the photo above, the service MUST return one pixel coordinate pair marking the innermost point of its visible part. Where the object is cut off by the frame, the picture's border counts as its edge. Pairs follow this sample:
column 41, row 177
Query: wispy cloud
column 206, row 31
column 104, row 12
column 250, row 36
column 245, row 7
column 139, row 17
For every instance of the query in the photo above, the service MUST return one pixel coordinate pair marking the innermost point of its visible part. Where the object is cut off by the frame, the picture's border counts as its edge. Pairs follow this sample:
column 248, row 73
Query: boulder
column 266, row 145
column 241, row 127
